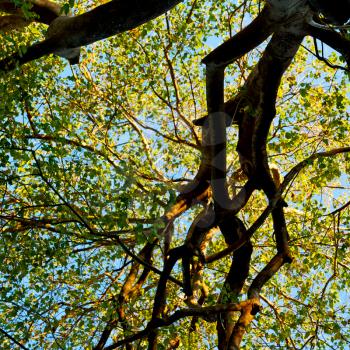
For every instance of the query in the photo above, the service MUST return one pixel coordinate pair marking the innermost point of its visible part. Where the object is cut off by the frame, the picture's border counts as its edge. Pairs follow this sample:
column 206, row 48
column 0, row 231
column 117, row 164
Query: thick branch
column 247, row 316
column 233, row 285
column 12, row 22
column 45, row 11
column 243, row 42
column 272, row 204
column 233, row 110
column 260, row 280
column 195, row 192
column 216, row 139
column 114, row 17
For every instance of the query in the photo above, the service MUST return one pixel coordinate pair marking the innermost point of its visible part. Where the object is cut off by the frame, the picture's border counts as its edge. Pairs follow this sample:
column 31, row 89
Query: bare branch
column 333, row 39
column 9, row 336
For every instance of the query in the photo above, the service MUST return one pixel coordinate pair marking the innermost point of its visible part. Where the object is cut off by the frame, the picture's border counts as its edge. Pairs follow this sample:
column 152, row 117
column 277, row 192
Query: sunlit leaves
column 98, row 150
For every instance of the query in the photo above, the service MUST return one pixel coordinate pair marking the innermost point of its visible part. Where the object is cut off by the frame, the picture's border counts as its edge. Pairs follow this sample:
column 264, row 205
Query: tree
column 123, row 226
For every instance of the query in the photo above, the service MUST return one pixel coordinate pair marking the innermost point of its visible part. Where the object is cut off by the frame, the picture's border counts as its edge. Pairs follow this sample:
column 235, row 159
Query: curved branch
column 263, row 216
column 243, row 42
column 204, row 312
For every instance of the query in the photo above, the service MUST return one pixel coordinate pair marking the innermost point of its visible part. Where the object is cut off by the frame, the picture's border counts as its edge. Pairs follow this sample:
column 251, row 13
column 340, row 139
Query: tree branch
column 244, row 41
column 9, row 336
column 333, row 39
column 67, row 33
column 263, row 216
column 45, row 11
column 204, row 312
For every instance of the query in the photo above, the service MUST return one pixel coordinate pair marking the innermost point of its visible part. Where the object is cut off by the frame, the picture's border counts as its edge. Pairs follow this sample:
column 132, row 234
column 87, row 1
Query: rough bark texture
column 253, row 109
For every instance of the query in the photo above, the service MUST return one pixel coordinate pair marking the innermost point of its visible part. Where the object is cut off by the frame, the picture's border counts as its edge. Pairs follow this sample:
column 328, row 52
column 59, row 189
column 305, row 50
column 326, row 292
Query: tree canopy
column 174, row 174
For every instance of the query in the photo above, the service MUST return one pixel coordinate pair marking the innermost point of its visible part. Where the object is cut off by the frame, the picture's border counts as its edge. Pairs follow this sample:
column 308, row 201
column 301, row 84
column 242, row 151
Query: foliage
column 93, row 155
